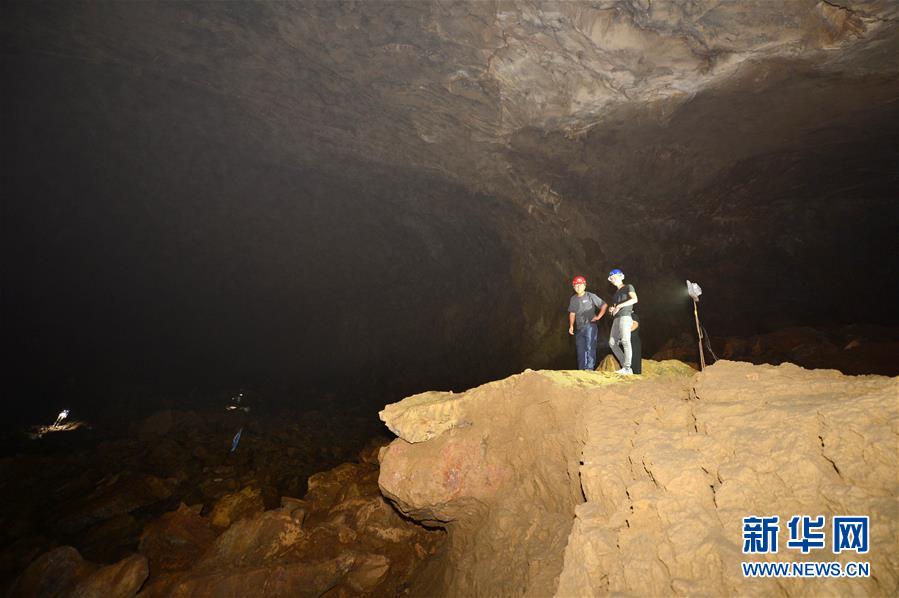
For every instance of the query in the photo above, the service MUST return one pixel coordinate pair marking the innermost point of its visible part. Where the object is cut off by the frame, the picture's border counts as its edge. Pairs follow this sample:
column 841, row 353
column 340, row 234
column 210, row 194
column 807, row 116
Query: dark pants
column 585, row 342
column 637, row 350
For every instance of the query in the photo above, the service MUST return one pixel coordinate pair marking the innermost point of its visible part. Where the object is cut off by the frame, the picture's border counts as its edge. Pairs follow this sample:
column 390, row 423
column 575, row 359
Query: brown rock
column 52, row 574
column 369, row 571
column 176, row 540
column 297, row 508
column 239, row 505
column 373, row 516
column 110, row 539
column 369, row 454
column 253, row 541
column 121, row 580
column 668, row 367
column 158, row 424
column 487, row 479
column 667, row 480
column 608, row 364
column 655, row 474
column 120, row 494
column 295, row 579
column 348, row 480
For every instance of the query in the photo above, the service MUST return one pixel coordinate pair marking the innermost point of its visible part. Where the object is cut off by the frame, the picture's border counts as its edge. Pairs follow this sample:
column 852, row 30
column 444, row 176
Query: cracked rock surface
column 574, row 483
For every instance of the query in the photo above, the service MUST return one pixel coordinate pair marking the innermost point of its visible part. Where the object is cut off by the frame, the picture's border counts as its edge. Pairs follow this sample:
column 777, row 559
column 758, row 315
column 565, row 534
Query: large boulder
column 119, row 494
column 236, row 506
column 176, row 540
column 119, row 580
column 52, row 574
column 588, row 483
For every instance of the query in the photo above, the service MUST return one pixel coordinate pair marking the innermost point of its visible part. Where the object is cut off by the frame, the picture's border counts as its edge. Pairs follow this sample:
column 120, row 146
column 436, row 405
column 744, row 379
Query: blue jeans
column 585, row 341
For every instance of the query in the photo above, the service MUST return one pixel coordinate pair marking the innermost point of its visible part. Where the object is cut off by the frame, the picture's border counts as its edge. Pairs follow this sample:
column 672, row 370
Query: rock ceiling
column 446, row 86
column 706, row 130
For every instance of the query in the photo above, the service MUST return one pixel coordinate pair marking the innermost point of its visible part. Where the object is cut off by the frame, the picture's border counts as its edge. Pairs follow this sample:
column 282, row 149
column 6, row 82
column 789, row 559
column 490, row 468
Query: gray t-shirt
column 584, row 308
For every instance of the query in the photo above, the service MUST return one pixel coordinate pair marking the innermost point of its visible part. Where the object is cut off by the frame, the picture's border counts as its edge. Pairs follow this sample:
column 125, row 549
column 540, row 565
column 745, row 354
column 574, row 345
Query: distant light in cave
column 59, row 418
column 60, row 425
column 235, row 404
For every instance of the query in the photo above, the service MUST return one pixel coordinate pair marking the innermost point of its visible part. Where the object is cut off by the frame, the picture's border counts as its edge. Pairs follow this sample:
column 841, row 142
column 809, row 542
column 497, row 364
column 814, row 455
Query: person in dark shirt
column 622, row 308
column 582, row 319
column 636, row 345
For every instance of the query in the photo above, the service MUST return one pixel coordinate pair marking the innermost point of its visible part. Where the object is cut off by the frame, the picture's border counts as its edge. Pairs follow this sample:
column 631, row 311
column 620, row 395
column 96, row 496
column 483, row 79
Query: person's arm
column 634, row 325
column 571, row 322
column 632, row 300
column 602, row 312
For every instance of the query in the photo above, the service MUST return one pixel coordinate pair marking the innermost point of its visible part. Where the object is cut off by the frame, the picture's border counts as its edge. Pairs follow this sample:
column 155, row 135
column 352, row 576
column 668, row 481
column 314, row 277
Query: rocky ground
column 585, row 483
column 164, row 507
column 545, row 482
column 854, row 349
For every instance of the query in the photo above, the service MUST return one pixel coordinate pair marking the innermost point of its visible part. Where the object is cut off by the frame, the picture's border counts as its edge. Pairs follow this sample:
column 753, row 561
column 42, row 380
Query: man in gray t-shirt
column 582, row 319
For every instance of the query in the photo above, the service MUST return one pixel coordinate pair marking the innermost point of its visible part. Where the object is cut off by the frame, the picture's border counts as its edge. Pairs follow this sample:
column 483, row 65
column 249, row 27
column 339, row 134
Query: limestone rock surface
column 121, row 493
column 119, row 580
column 176, row 540
column 238, row 505
column 52, row 574
column 587, row 483
column 342, row 537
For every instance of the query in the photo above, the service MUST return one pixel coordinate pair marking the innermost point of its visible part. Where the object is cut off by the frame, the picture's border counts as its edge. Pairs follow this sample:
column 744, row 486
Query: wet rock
column 232, row 507
column 120, row 580
column 176, row 540
column 54, row 573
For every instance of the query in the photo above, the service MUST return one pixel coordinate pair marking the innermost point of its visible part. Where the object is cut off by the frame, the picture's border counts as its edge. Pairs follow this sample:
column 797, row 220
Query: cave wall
column 399, row 193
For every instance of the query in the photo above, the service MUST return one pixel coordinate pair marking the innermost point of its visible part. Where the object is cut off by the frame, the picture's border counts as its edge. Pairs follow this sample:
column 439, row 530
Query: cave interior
column 381, row 198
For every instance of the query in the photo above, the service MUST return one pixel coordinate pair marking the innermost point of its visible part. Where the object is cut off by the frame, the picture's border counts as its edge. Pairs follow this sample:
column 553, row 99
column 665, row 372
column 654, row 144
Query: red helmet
column 578, row 280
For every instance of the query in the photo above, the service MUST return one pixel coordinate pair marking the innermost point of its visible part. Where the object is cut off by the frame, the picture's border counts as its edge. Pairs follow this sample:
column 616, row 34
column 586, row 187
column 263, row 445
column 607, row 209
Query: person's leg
column 592, row 338
column 580, row 344
column 624, row 329
column 614, row 338
column 637, row 353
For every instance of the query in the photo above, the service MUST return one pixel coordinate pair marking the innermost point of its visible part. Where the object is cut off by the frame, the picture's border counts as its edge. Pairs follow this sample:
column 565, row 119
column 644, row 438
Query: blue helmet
column 616, row 272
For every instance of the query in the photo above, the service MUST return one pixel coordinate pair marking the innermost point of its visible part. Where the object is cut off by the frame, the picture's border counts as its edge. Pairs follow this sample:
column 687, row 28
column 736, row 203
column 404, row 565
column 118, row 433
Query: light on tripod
column 694, row 290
